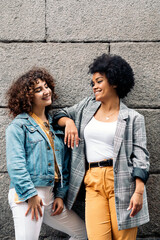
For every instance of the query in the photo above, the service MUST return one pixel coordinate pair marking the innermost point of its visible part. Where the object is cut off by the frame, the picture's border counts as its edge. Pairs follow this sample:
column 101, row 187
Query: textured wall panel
column 152, row 121
column 153, row 227
column 67, row 62
column 86, row 20
column 22, row 20
column 145, row 61
column 4, row 121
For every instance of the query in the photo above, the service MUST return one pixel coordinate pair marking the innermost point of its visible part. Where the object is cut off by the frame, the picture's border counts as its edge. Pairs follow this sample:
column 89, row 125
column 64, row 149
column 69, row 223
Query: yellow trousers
column 101, row 219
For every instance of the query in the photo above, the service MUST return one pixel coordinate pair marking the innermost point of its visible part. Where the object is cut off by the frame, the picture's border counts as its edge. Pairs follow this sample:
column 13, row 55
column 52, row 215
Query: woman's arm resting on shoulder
column 62, row 117
column 71, row 132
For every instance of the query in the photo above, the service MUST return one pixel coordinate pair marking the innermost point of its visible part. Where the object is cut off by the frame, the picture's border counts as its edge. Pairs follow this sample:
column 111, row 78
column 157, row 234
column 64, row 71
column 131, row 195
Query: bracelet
column 139, row 193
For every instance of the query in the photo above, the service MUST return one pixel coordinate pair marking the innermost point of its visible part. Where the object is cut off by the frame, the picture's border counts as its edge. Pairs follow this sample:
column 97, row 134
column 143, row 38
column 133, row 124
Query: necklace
column 47, row 127
column 108, row 117
column 46, row 124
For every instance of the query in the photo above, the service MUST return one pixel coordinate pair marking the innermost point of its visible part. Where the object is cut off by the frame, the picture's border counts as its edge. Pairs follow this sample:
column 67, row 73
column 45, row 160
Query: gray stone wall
column 64, row 36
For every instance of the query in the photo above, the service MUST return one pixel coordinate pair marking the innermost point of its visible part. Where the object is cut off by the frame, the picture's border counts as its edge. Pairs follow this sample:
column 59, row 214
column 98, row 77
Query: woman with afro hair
column 37, row 160
column 109, row 154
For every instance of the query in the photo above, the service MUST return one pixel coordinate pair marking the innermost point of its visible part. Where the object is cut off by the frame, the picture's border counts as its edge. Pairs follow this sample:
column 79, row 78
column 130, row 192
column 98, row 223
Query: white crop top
column 99, row 140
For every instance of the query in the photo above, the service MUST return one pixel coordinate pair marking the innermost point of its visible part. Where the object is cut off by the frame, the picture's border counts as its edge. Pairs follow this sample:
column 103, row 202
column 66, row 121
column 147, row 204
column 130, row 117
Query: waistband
column 104, row 163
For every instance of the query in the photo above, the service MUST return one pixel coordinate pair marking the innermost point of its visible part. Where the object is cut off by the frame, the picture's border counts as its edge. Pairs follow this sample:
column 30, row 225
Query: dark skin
column 109, row 99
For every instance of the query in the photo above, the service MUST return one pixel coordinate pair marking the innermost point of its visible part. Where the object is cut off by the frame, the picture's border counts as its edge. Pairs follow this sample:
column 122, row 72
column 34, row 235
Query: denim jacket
column 30, row 159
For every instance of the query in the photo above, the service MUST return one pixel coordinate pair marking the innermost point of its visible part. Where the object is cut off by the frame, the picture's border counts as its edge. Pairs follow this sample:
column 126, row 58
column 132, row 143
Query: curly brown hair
column 21, row 92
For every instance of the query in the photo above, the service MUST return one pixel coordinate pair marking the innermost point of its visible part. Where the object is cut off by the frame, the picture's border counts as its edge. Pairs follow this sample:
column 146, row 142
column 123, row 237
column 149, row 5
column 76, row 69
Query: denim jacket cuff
column 28, row 195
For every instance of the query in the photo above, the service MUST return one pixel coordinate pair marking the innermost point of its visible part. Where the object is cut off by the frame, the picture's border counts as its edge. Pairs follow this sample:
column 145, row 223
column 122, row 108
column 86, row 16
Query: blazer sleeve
column 70, row 112
column 61, row 191
column 140, row 155
column 16, row 163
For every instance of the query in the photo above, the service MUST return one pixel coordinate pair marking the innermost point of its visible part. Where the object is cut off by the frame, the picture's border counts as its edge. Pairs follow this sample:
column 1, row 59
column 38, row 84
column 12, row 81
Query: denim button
column 48, row 148
column 49, row 164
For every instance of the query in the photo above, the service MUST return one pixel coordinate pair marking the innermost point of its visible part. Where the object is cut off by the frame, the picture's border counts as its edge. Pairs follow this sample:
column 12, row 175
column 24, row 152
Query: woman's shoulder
column 131, row 112
column 87, row 101
column 135, row 114
column 19, row 120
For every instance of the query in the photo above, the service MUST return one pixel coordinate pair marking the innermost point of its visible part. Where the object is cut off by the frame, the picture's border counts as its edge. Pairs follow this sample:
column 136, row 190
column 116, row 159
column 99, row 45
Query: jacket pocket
column 36, row 152
column 33, row 136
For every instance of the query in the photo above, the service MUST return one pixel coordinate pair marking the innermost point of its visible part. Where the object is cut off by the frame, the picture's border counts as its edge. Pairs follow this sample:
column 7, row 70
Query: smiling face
column 42, row 95
column 101, row 88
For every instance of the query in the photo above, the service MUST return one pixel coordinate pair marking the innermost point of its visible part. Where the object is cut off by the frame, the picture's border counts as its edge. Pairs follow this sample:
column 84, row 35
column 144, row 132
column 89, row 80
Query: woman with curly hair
column 37, row 160
column 113, row 141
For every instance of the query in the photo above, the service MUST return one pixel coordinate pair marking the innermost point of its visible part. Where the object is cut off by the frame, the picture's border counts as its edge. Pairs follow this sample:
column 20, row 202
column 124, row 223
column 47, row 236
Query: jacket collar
column 94, row 105
column 123, row 113
column 90, row 111
column 33, row 123
column 119, row 134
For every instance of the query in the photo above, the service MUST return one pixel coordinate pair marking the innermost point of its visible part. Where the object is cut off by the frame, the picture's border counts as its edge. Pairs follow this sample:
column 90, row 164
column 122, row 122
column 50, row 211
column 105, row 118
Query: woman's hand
column 71, row 133
column 35, row 205
column 57, row 207
column 136, row 203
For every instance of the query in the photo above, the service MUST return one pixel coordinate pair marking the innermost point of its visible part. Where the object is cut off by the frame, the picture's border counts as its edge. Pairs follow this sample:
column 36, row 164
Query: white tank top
column 99, row 140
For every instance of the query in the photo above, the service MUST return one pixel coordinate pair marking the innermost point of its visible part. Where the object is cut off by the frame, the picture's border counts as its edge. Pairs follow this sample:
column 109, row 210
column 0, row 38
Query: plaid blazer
column 130, row 160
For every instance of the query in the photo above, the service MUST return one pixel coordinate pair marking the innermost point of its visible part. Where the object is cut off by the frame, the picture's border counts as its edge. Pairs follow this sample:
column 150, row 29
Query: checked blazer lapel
column 88, row 114
column 121, row 125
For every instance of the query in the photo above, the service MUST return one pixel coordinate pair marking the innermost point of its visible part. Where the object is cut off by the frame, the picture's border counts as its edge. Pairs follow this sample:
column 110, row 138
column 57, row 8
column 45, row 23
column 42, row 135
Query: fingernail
column 77, row 145
column 128, row 208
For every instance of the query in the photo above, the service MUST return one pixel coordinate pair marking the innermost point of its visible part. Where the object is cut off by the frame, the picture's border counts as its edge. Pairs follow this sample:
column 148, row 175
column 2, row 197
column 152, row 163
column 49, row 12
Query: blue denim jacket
column 30, row 159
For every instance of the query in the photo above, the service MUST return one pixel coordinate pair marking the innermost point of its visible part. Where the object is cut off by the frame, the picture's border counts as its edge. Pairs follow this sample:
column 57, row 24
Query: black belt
column 108, row 162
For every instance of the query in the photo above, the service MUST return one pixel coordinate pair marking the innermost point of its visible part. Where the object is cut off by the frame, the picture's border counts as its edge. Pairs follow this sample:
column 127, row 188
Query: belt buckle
column 99, row 165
